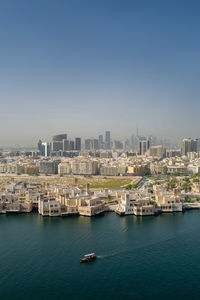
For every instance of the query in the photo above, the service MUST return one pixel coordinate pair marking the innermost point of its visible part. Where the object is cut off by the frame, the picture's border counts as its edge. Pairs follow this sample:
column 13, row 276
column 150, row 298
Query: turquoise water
column 138, row 258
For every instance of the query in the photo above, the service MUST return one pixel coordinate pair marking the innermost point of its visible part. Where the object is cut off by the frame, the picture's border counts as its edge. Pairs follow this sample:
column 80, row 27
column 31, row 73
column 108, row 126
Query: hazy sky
column 82, row 67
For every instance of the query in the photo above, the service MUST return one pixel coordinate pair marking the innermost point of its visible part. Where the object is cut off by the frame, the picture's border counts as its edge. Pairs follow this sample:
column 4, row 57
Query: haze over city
column 99, row 149
column 83, row 67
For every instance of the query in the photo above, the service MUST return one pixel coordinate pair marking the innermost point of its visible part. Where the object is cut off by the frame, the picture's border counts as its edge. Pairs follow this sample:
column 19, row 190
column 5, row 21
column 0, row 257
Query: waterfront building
column 136, row 203
column 144, row 207
column 49, row 207
column 166, row 201
column 91, row 207
column 14, row 203
column 126, row 204
column 70, row 207
column 33, row 195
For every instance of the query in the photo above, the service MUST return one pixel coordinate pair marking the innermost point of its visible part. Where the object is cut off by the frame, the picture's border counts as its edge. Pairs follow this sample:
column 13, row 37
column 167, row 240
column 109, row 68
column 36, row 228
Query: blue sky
column 82, row 67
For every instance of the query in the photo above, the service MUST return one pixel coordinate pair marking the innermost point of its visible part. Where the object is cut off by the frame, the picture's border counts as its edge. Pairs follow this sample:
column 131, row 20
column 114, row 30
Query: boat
column 88, row 257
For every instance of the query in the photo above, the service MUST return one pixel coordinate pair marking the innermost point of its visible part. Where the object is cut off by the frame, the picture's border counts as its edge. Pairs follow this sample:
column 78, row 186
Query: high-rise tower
column 107, row 140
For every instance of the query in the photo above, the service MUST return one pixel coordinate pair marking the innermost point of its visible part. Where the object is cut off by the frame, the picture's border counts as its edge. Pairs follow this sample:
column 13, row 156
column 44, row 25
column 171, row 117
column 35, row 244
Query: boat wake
column 137, row 248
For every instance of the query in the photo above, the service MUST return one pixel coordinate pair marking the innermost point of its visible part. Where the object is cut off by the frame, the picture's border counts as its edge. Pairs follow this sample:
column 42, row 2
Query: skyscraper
column 91, row 144
column 40, row 145
column 65, row 145
column 59, row 137
column 143, row 146
column 78, row 144
column 107, row 140
column 132, row 141
column 118, row 145
column 71, row 145
column 198, row 145
column 126, row 144
column 59, row 142
column 100, row 141
column 45, row 149
column 56, row 146
column 188, row 145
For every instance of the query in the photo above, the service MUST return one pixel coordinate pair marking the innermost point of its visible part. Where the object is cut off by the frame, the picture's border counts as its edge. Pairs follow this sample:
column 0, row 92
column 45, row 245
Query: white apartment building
column 64, row 169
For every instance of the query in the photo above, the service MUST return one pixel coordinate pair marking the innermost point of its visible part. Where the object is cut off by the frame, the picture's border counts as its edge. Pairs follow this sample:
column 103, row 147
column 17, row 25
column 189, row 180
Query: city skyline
column 88, row 66
column 101, row 139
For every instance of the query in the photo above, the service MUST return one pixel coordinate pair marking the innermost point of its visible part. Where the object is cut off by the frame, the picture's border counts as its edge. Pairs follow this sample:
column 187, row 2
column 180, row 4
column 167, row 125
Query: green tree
column 195, row 175
column 172, row 183
column 186, row 186
column 147, row 172
column 128, row 187
column 195, row 180
column 189, row 199
column 186, row 179
column 176, row 173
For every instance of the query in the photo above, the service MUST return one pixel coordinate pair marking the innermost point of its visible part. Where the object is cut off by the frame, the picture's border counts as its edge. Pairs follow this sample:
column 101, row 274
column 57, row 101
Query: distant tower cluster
column 60, row 144
column 95, row 144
